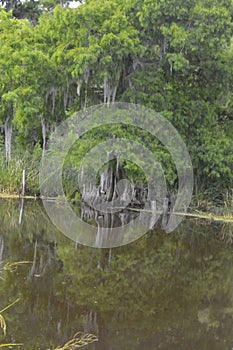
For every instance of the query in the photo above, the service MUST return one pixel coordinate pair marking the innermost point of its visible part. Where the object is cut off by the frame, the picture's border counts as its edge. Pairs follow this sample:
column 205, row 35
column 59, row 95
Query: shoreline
column 193, row 213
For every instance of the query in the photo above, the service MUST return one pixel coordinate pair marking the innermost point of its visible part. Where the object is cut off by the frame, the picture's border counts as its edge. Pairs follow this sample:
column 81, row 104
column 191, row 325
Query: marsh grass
column 228, row 200
column 215, row 209
column 11, row 175
column 78, row 341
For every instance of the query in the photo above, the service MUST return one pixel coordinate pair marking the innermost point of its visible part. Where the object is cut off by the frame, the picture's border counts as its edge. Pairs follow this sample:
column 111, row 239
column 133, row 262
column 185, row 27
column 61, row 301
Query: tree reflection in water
column 167, row 291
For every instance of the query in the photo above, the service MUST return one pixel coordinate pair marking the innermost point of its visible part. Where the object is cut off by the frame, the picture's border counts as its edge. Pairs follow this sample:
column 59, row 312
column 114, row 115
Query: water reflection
column 106, row 229
column 163, row 291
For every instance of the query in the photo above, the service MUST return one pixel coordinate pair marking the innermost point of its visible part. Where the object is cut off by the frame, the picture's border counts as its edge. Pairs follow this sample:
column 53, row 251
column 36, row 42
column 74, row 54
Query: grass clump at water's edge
column 11, row 174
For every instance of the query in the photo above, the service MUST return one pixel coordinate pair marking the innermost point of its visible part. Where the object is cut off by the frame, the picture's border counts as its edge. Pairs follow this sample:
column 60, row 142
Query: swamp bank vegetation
column 170, row 56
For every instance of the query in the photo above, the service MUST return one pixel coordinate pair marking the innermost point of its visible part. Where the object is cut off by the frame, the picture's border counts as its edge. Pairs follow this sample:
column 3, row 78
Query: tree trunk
column 8, row 135
column 23, row 183
column 44, row 131
column 114, row 94
column 1, row 253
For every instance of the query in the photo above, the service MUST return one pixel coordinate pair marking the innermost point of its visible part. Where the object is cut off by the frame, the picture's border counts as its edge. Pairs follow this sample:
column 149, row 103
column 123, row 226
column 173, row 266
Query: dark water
column 165, row 291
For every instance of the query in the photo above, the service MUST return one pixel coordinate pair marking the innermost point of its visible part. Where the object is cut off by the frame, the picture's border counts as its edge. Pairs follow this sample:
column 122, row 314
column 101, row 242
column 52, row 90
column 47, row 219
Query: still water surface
column 164, row 291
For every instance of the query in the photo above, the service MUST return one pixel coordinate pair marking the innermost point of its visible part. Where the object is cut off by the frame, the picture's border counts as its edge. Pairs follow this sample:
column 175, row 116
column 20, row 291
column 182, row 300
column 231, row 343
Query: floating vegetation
column 2, row 320
column 228, row 218
column 78, row 341
column 196, row 214
column 9, row 345
column 3, row 325
column 13, row 266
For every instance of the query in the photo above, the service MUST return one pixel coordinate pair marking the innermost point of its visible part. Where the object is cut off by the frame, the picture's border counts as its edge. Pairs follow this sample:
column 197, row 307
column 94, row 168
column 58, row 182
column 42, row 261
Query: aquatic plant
column 2, row 320
column 13, row 266
column 10, row 344
column 78, row 341
column 3, row 325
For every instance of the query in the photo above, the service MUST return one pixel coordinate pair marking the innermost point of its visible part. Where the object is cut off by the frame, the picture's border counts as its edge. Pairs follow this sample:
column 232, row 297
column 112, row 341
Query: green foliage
column 172, row 56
